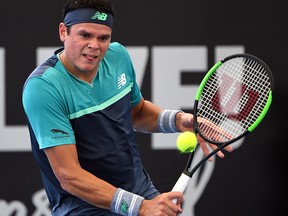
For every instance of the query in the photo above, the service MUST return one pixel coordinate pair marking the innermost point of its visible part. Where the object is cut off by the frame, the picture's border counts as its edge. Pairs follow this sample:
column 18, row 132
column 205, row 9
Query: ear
column 62, row 31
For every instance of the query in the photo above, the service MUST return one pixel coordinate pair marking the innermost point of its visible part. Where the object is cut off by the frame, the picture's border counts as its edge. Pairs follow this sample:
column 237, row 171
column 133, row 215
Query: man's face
column 84, row 47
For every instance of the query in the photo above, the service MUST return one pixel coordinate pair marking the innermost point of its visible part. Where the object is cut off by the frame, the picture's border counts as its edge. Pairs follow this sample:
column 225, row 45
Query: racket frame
column 187, row 174
column 206, row 78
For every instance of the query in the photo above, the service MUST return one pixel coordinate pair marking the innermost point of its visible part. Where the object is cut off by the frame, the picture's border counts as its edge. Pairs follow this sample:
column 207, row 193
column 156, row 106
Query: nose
column 93, row 44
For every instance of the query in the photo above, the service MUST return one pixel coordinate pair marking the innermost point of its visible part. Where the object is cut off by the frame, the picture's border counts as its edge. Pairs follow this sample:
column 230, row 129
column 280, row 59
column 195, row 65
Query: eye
column 104, row 38
column 85, row 35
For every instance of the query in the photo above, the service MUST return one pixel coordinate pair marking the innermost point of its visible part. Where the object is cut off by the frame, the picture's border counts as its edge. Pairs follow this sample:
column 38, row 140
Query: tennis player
column 83, row 105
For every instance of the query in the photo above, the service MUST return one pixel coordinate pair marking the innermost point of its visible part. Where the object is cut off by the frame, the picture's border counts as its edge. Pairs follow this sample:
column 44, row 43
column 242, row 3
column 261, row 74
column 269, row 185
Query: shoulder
column 117, row 48
column 118, row 55
column 44, row 82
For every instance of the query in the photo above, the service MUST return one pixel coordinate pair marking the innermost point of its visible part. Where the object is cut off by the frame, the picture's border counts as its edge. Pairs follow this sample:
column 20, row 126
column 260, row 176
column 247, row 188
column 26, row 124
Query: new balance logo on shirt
column 121, row 80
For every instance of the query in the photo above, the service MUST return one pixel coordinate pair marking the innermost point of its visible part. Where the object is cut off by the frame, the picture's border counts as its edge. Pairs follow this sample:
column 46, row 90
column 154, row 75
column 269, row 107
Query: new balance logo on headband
column 88, row 15
column 100, row 16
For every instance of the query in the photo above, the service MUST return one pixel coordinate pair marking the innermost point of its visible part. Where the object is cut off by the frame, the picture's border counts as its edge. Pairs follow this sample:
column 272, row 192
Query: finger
column 229, row 148
column 214, row 131
column 219, row 153
column 205, row 148
column 175, row 208
column 174, row 195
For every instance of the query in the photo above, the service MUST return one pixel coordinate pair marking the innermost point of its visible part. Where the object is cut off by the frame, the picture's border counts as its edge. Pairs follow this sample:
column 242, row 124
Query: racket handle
column 181, row 184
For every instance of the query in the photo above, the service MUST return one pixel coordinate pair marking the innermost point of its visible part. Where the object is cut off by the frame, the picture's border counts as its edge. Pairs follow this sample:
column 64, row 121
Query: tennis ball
column 186, row 142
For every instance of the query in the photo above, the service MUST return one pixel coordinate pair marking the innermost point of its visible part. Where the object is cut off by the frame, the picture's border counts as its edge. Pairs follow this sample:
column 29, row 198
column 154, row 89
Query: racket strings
column 233, row 98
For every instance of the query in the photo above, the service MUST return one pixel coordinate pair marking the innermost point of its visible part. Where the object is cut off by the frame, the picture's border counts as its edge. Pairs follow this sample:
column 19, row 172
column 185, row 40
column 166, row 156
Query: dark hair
column 99, row 5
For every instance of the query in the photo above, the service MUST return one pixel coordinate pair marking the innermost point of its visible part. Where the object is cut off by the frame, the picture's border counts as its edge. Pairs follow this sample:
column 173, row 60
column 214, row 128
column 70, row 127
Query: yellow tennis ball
column 186, row 142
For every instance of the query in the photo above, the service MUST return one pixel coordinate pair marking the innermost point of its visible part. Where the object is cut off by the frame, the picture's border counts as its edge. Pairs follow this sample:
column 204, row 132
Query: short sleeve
column 46, row 112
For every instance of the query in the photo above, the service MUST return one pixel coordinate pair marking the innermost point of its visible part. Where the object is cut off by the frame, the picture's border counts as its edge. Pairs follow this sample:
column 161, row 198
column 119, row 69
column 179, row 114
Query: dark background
column 252, row 180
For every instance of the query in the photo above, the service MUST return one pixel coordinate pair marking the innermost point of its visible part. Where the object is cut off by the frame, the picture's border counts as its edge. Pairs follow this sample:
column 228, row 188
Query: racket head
column 233, row 97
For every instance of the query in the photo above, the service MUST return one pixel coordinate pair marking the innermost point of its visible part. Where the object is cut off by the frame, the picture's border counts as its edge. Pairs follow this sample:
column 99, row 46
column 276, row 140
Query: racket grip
column 181, row 184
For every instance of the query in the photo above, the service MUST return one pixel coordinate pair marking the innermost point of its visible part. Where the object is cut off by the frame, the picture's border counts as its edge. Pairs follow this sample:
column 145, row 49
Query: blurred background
column 172, row 45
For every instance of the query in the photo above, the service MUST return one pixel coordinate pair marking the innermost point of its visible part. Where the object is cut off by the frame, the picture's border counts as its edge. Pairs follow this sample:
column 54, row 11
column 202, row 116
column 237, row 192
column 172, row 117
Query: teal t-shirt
column 62, row 97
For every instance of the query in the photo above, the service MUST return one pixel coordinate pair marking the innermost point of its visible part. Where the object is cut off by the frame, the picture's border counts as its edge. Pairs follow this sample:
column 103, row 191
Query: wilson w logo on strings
column 234, row 99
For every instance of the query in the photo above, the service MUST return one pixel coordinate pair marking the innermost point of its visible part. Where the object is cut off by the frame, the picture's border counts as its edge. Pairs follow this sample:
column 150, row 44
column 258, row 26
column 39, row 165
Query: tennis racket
column 230, row 103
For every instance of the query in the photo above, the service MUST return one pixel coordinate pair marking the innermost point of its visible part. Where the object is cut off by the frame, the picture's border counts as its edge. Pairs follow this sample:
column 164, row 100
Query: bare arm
column 77, row 181
column 145, row 116
column 145, row 119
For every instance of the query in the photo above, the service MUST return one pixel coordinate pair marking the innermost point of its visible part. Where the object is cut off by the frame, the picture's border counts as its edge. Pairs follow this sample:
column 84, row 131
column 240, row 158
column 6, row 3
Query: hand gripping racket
column 231, row 101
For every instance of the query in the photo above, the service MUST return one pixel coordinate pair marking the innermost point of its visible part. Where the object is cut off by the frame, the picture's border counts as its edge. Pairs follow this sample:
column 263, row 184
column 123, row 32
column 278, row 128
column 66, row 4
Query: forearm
column 77, row 181
column 149, row 118
column 104, row 195
column 145, row 116
column 87, row 187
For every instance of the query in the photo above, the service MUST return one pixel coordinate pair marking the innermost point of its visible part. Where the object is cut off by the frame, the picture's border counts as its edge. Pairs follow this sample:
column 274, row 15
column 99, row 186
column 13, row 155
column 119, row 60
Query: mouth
column 90, row 57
